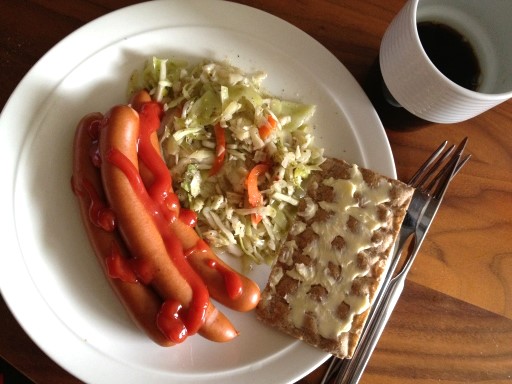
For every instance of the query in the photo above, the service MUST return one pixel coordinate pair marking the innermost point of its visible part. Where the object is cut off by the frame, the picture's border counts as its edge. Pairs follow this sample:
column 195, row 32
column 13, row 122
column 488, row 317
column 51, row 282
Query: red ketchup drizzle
column 169, row 319
column 199, row 247
column 99, row 214
column 120, row 160
column 188, row 216
column 118, row 267
column 160, row 201
column 143, row 270
column 232, row 280
column 161, row 189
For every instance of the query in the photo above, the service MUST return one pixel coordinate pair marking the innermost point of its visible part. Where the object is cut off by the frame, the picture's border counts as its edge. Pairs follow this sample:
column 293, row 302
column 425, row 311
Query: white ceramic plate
column 48, row 273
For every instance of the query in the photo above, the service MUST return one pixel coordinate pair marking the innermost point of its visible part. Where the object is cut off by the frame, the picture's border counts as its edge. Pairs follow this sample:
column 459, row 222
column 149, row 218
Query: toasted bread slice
column 325, row 279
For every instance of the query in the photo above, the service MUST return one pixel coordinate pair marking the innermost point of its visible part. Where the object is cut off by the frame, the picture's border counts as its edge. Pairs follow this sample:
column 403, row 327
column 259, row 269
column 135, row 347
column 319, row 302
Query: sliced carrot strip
column 266, row 129
column 254, row 196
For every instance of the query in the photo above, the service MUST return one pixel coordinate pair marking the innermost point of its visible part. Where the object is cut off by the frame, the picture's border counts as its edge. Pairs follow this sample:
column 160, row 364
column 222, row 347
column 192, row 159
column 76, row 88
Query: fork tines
column 433, row 163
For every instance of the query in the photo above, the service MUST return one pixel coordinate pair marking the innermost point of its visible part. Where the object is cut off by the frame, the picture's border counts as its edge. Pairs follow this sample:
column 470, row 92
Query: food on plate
column 163, row 272
column 141, row 302
column 238, row 155
column 328, row 270
column 202, row 160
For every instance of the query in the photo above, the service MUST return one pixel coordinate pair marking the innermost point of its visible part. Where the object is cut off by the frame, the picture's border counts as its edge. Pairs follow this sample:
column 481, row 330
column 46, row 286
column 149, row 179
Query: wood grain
column 468, row 251
column 425, row 341
column 453, row 323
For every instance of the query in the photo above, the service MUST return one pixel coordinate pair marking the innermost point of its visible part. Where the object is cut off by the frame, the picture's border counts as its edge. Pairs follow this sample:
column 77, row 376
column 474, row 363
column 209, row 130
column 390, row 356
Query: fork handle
column 352, row 370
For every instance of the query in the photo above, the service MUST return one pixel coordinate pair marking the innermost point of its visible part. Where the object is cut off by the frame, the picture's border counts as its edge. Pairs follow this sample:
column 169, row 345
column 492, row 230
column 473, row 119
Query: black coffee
column 451, row 53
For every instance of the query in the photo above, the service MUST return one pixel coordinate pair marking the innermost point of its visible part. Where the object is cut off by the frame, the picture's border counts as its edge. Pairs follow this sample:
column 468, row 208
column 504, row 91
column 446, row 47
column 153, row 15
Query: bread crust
column 325, row 278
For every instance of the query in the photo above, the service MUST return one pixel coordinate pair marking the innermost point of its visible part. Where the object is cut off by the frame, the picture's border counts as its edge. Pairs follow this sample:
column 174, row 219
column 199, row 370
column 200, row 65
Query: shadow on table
column 9, row 374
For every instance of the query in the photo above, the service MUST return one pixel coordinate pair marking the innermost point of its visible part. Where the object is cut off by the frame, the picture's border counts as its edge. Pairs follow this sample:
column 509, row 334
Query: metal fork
column 427, row 187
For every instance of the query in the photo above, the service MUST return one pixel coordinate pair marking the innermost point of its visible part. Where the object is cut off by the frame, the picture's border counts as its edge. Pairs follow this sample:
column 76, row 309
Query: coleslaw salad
column 237, row 154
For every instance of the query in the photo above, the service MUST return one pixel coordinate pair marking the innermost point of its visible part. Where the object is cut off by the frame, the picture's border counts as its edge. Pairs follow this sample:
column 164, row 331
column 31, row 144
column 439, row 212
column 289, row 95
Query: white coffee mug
column 415, row 82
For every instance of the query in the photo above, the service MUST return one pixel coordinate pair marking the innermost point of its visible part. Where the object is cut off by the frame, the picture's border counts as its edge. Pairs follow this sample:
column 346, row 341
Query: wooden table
column 453, row 323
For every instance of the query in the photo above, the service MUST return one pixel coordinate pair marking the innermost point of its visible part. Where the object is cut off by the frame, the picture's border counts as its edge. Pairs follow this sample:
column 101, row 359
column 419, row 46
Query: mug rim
column 468, row 92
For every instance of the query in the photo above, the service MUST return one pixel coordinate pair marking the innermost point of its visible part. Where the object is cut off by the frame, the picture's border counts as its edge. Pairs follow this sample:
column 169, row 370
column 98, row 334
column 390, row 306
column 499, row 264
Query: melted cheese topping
column 322, row 253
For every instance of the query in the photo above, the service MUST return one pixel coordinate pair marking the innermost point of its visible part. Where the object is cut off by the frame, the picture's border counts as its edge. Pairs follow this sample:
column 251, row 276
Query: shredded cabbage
column 196, row 99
